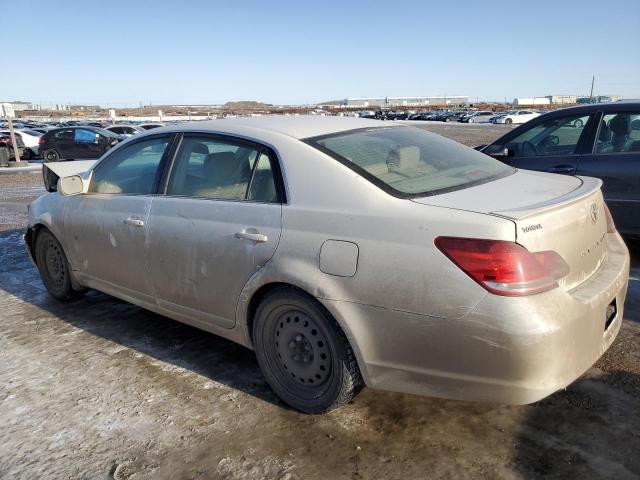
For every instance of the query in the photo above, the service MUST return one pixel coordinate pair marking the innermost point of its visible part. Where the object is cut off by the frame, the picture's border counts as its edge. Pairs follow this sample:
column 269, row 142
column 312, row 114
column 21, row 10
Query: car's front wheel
column 508, row 121
column 53, row 267
column 304, row 355
column 51, row 155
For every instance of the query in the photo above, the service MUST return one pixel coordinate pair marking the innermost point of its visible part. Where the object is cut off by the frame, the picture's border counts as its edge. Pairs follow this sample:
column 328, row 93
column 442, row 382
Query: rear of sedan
column 509, row 290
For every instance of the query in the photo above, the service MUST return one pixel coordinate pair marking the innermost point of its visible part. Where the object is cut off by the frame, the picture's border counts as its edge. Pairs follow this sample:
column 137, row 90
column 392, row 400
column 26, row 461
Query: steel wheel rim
column 302, row 350
column 54, row 265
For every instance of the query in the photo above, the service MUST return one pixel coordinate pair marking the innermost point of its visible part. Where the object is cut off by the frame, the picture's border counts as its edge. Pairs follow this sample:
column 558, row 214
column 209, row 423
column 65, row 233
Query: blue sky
column 124, row 52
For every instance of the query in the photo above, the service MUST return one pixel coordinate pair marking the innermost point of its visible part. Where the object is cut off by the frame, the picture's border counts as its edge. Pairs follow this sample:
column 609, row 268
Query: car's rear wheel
column 50, row 155
column 53, row 267
column 578, row 123
column 303, row 353
column 508, row 121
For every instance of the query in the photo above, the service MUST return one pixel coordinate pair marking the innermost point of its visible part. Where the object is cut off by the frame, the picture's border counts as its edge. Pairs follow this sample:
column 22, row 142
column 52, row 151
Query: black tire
column 303, row 353
column 27, row 154
column 578, row 123
column 51, row 155
column 53, row 267
column 508, row 121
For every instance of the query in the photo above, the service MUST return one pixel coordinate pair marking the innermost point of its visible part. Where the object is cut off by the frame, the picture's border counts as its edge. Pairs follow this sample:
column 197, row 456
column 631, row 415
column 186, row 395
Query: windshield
column 410, row 162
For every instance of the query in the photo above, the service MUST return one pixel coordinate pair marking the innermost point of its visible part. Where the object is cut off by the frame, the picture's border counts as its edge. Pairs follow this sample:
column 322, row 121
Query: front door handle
column 561, row 169
column 253, row 236
column 134, row 222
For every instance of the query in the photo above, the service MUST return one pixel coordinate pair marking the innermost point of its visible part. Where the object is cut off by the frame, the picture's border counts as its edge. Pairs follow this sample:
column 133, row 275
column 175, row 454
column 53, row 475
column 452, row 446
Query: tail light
column 611, row 226
column 41, row 140
column 504, row 268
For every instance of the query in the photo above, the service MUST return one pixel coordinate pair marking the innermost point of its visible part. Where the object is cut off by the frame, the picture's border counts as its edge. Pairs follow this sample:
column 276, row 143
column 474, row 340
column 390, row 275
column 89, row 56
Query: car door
column 63, row 142
column 552, row 145
column 107, row 226
column 218, row 224
column 615, row 158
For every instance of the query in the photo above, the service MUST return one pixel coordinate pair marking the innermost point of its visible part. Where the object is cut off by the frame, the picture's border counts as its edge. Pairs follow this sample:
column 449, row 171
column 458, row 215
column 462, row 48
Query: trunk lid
column 53, row 171
column 550, row 212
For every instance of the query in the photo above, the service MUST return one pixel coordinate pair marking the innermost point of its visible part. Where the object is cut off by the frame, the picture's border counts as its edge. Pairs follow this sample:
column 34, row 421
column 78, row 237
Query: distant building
column 400, row 101
column 18, row 106
column 563, row 99
column 531, row 102
column 599, row 99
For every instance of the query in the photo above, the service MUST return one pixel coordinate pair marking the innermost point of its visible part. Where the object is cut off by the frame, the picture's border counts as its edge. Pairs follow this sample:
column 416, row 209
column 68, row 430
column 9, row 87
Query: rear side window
column 619, row 132
column 132, row 169
column 222, row 169
column 63, row 134
column 408, row 161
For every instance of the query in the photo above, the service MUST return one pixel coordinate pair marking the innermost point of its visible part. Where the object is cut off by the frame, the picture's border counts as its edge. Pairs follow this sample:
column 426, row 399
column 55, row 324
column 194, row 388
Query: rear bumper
column 512, row 350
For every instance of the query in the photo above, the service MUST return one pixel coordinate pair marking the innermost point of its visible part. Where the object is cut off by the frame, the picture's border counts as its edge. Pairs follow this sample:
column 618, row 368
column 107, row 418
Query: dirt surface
column 100, row 389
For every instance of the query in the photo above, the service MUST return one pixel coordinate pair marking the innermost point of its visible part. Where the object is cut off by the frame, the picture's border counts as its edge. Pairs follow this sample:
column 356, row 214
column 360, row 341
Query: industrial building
column 363, row 102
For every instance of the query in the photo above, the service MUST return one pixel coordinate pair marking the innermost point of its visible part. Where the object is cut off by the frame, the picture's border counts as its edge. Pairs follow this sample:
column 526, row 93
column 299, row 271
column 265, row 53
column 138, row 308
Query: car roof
column 621, row 106
column 303, row 126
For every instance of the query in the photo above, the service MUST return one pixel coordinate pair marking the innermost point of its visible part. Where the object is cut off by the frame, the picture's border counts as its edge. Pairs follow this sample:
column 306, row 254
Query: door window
column 222, row 169
column 66, row 134
column 85, row 136
column 133, row 169
column 554, row 137
column 619, row 132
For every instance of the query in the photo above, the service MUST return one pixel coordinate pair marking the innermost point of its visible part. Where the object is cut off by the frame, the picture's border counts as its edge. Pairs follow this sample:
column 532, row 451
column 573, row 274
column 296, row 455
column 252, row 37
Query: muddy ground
column 100, row 389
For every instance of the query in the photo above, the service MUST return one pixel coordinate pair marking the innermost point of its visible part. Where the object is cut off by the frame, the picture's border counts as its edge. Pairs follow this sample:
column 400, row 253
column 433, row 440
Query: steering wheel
column 529, row 149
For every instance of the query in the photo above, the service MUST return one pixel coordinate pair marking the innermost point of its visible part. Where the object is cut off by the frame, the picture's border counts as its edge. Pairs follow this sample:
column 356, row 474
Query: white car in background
column 126, row 130
column 31, row 140
column 517, row 116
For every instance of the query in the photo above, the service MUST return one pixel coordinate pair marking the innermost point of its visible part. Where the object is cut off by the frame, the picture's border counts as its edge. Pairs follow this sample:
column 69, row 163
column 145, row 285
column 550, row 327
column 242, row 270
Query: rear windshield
column 410, row 162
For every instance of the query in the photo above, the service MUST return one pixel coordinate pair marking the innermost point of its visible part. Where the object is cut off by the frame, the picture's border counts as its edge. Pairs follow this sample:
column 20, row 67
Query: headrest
column 620, row 124
column 220, row 166
column 403, row 158
column 605, row 133
column 200, row 148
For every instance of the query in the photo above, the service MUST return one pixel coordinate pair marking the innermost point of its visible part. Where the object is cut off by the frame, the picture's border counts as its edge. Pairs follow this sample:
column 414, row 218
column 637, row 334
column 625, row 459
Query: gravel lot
column 101, row 389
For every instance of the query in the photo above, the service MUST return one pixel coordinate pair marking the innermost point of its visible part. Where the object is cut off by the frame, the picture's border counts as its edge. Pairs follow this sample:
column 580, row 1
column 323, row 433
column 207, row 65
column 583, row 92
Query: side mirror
column 552, row 141
column 504, row 153
column 72, row 185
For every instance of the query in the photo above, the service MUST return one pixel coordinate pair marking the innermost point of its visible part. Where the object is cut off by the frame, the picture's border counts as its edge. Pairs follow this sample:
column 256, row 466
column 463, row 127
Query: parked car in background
column 71, row 143
column 482, row 116
column 599, row 140
column 149, row 126
column 30, row 140
column 5, row 142
column 430, row 268
column 517, row 117
column 126, row 130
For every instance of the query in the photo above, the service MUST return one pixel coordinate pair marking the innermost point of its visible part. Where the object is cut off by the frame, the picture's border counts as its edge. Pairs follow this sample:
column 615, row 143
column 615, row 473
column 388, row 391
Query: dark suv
column 76, row 143
column 598, row 140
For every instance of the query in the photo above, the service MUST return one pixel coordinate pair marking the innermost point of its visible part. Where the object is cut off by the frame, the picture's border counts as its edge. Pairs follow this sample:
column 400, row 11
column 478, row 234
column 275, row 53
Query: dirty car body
column 449, row 273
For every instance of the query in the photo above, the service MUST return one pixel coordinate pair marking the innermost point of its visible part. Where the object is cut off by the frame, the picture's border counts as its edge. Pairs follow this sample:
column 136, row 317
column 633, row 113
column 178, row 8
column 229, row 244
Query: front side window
column 410, row 161
column 619, row 132
column 553, row 137
column 85, row 136
column 222, row 169
column 132, row 169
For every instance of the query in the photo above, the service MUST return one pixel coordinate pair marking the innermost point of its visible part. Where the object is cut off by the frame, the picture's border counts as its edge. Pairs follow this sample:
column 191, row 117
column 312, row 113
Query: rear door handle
column 134, row 222
column 562, row 169
column 253, row 236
